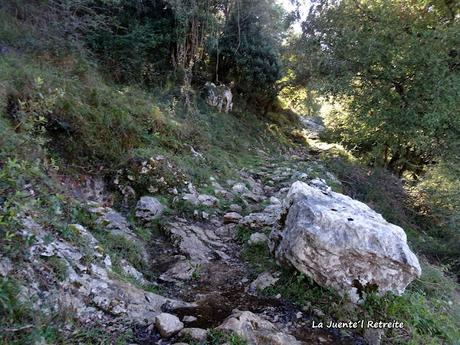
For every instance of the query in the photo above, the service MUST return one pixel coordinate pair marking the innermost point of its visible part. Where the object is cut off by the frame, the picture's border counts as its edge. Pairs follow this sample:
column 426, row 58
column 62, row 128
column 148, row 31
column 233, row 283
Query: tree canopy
column 394, row 66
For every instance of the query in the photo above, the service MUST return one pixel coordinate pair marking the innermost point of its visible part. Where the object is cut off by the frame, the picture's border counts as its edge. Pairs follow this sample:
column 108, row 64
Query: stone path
column 194, row 262
column 199, row 261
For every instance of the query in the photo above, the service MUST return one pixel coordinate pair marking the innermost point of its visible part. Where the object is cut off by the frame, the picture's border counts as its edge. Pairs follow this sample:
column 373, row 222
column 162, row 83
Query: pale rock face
column 130, row 271
column 168, row 324
column 313, row 126
column 236, row 208
column 198, row 334
column 199, row 244
column 232, row 217
column 253, row 197
column 89, row 290
column 117, row 224
column 181, row 270
column 219, row 96
column 373, row 336
column 263, row 281
column 208, row 200
column 274, row 200
column 257, row 238
column 262, row 219
column 240, row 188
column 255, row 330
column 191, row 198
column 90, row 240
column 189, row 319
column 149, row 208
column 201, row 199
column 342, row 243
column 6, row 266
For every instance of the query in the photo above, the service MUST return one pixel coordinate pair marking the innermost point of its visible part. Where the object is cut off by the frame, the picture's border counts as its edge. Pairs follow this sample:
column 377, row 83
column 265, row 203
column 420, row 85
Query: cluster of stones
column 337, row 241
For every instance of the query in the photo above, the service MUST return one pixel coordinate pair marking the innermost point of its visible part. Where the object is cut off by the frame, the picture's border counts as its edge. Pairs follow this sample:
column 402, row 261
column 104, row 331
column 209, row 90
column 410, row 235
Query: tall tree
column 394, row 65
column 248, row 51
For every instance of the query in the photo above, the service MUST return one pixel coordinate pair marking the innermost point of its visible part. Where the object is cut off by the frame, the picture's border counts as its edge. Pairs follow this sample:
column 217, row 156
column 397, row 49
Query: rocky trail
column 200, row 261
column 192, row 274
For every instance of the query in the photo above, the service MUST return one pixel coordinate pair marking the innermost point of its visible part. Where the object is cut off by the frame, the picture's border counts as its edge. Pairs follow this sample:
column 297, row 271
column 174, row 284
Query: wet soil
column 221, row 288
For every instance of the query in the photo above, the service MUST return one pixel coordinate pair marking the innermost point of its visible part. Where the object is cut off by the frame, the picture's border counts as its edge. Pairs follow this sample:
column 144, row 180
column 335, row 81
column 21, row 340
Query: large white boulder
column 342, row 243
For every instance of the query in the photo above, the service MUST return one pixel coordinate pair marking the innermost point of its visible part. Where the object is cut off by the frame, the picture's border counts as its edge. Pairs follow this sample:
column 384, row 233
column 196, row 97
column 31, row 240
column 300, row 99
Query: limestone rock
column 201, row 199
column 149, row 208
column 274, row 200
column 257, row 238
column 240, row 188
column 198, row 334
column 342, row 243
column 218, row 96
column 236, row 208
column 6, row 266
column 117, row 224
column 189, row 319
column 373, row 336
column 253, row 197
column 263, row 219
column 313, row 125
column 130, row 271
column 255, row 330
column 208, row 200
column 191, row 198
column 168, row 324
column 94, row 294
column 198, row 243
column 232, row 217
column 181, row 270
column 263, row 281
column 90, row 240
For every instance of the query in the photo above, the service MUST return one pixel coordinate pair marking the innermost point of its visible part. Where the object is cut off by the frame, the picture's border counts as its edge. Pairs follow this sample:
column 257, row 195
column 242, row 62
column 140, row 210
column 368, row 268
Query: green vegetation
column 59, row 267
column 243, row 234
column 216, row 337
column 108, row 88
column 394, row 69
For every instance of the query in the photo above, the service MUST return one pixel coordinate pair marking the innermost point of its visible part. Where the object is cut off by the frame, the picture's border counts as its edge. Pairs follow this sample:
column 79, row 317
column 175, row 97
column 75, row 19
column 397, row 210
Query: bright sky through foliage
column 289, row 6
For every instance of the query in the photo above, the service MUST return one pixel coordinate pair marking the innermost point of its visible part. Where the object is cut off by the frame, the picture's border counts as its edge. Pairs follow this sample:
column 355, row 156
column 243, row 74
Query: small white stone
column 257, row 238
column 232, row 217
column 189, row 319
column 239, row 188
column 168, row 324
column 236, row 208
column 194, row 333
